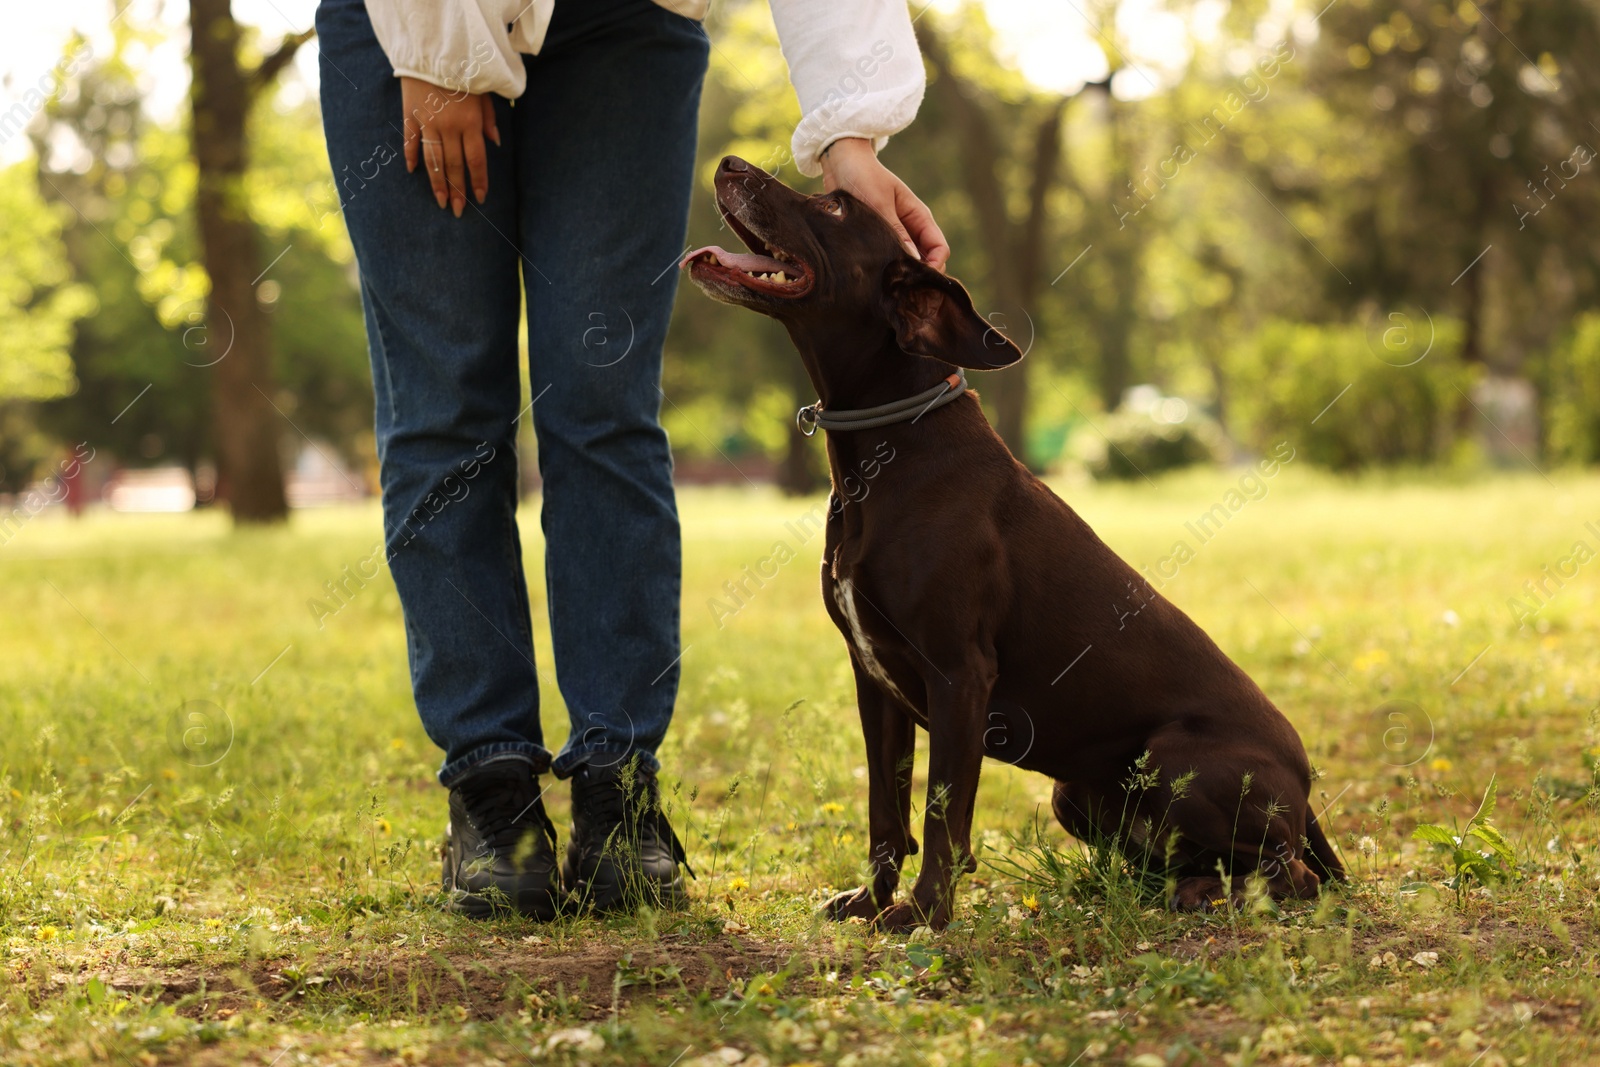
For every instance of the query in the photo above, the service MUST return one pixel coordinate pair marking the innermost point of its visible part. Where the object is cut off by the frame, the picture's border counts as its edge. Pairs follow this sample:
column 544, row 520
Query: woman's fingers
column 925, row 233
column 433, row 159
column 490, row 128
column 413, row 143
column 413, row 105
column 477, row 163
column 455, row 172
column 445, row 133
column 850, row 163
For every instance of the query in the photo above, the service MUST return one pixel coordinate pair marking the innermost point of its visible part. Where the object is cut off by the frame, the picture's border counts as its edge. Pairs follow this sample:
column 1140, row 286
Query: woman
column 575, row 199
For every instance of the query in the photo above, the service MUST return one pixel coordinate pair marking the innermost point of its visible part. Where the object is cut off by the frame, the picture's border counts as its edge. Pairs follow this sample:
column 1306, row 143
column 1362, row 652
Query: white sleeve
column 855, row 67
column 455, row 44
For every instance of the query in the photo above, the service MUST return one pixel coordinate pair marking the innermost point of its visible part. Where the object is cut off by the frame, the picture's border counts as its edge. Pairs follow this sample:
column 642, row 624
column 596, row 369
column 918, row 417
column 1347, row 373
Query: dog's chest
column 844, row 596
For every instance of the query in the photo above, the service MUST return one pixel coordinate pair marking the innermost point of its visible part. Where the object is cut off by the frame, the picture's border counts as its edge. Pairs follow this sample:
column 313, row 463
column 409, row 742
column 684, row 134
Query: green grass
column 259, row 885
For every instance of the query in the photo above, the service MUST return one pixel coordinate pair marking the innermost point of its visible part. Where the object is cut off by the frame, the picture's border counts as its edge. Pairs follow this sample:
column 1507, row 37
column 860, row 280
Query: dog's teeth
column 781, row 278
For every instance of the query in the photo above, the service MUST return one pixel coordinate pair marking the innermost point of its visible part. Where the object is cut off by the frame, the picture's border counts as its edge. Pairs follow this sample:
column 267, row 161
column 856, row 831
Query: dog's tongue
column 747, row 261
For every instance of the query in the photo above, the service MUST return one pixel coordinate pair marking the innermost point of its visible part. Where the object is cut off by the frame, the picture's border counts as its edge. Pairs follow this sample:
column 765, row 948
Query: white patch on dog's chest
column 844, row 596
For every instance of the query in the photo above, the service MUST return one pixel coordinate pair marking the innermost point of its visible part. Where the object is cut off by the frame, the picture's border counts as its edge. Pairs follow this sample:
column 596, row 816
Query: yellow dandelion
column 397, row 744
column 213, row 923
column 846, row 838
column 1377, row 657
column 168, row 773
column 737, row 883
column 1441, row 764
column 831, row 808
column 47, row 933
column 792, row 826
column 384, row 828
column 1031, row 902
column 16, row 794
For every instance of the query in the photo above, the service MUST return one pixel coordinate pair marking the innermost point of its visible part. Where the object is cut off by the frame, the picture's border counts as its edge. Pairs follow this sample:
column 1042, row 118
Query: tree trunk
column 238, row 334
column 1115, row 323
column 1014, row 250
column 980, row 154
column 1012, row 406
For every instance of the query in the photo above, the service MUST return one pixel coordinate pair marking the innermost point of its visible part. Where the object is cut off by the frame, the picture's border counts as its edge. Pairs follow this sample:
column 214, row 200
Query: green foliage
column 1348, row 397
column 25, row 447
column 1478, row 852
column 39, row 300
column 1572, row 394
column 1138, row 444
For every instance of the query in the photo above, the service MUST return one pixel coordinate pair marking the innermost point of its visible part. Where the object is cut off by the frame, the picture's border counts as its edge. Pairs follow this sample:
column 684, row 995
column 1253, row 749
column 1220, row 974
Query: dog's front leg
column 891, row 743
column 955, row 760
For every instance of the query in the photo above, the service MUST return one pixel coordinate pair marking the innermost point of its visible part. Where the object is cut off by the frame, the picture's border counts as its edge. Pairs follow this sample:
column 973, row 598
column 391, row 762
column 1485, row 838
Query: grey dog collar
column 910, row 409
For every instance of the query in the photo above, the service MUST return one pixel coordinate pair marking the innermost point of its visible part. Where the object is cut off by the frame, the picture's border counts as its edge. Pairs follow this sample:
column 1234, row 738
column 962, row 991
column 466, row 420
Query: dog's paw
column 1203, row 893
column 905, row 917
column 852, row 904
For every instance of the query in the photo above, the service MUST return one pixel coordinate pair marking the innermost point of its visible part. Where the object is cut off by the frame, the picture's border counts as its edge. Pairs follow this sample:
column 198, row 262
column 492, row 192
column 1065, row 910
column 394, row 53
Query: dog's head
column 831, row 259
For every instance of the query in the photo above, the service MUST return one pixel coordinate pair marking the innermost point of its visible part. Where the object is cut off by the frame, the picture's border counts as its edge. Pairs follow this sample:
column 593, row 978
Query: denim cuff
column 536, row 756
column 602, row 755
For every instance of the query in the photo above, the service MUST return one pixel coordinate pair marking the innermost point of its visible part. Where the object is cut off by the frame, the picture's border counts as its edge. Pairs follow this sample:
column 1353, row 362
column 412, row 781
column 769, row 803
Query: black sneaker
column 623, row 852
column 500, row 846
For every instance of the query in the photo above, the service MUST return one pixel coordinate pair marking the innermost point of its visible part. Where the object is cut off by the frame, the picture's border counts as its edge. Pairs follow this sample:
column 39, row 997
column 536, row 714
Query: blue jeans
column 585, row 218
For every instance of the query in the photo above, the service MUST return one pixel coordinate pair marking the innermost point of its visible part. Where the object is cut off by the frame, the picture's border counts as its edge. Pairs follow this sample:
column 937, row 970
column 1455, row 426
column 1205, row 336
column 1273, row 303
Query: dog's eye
column 834, row 206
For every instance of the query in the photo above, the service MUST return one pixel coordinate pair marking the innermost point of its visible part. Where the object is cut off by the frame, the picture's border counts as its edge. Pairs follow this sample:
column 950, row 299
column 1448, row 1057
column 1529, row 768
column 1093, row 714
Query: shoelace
column 503, row 806
column 642, row 812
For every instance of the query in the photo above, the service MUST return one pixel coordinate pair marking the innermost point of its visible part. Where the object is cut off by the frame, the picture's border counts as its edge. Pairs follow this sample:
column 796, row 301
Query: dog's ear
column 933, row 316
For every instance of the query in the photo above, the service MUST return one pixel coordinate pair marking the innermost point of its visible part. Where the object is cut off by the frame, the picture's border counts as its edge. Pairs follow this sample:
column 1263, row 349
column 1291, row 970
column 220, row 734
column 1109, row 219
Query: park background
column 1364, row 232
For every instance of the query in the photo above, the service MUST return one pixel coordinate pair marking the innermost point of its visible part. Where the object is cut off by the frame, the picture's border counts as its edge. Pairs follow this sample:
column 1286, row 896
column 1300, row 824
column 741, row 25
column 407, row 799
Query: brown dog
column 978, row 605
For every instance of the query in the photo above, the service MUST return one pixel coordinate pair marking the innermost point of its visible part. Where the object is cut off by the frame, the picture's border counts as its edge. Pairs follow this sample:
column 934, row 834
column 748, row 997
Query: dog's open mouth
column 764, row 269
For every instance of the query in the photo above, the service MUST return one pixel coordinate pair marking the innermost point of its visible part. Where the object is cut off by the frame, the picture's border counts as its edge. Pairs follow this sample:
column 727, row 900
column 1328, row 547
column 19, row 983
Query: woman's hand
column 449, row 128
column 850, row 164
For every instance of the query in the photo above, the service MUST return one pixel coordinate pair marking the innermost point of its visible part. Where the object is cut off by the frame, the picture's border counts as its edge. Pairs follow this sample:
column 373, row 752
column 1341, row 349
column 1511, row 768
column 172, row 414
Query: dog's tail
column 1320, row 856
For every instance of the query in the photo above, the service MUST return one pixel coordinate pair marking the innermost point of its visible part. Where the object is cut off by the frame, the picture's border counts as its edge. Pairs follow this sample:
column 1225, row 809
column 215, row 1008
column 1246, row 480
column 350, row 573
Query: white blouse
column 855, row 65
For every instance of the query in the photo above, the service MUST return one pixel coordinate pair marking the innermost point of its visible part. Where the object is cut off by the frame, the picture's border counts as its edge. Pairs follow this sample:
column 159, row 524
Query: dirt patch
column 593, row 979
column 485, row 979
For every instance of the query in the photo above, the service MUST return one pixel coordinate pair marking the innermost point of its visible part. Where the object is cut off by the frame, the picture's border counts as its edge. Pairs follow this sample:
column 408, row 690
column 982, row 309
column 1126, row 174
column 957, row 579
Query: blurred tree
column 246, row 425
column 311, row 294
column 1485, row 205
column 1571, row 384
column 1013, row 246
column 742, row 363
column 126, row 187
column 39, row 302
column 39, row 305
